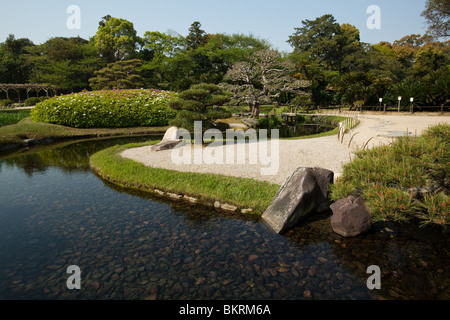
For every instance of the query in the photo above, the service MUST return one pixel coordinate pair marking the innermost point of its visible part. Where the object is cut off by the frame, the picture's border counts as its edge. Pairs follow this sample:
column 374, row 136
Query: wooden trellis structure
column 27, row 87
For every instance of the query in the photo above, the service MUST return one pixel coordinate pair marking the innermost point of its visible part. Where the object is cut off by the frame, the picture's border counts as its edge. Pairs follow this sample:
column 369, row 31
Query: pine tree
column 201, row 102
column 196, row 37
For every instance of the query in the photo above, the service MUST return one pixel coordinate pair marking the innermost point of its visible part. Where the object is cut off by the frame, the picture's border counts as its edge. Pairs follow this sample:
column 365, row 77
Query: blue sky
column 273, row 20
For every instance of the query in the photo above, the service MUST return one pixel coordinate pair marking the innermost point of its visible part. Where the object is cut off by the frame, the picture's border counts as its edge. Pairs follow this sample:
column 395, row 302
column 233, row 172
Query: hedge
column 107, row 109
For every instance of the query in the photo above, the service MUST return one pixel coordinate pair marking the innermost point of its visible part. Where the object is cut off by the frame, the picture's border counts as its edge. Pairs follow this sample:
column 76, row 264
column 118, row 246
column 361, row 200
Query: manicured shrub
column 107, row 109
column 34, row 101
column 5, row 103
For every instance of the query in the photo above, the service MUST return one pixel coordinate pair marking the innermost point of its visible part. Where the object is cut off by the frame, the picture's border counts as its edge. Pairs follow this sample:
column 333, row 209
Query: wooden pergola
column 27, row 87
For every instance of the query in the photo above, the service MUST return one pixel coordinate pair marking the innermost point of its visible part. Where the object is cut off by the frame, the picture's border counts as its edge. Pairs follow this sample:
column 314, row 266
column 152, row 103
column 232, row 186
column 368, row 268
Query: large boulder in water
column 303, row 192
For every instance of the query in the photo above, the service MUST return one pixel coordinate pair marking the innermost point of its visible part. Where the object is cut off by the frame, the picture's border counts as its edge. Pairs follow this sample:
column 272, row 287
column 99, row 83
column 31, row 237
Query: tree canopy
column 329, row 64
column 437, row 15
column 264, row 77
column 116, row 39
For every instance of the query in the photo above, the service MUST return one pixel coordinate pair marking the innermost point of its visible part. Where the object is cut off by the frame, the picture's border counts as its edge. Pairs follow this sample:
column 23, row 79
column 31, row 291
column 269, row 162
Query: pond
column 304, row 130
column 54, row 212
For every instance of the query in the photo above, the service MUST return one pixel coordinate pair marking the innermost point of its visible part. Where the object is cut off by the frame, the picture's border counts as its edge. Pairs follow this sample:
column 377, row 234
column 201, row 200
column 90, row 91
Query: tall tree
column 428, row 59
column 116, row 39
column 13, row 65
column 196, row 37
column 437, row 15
column 162, row 47
column 327, row 41
column 315, row 38
column 163, row 44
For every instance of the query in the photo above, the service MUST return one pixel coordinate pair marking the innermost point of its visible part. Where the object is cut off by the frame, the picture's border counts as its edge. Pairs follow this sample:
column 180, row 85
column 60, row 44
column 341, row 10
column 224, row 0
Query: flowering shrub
column 107, row 109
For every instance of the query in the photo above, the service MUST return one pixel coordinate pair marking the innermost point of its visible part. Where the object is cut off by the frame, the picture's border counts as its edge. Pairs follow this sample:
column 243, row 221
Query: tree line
column 329, row 64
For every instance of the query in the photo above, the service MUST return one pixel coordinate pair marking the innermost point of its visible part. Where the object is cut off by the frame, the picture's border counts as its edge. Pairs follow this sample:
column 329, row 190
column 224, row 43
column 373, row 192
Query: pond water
column 54, row 212
column 304, row 130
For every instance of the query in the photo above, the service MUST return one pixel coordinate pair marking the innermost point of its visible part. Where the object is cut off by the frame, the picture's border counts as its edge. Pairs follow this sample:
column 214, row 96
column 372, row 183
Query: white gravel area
column 326, row 152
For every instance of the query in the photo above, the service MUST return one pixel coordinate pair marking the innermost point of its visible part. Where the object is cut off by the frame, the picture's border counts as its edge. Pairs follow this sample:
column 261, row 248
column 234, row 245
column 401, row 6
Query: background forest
column 340, row 68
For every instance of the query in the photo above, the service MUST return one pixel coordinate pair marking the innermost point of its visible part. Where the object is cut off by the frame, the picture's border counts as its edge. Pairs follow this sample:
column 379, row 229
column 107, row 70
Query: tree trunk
column 255, row 111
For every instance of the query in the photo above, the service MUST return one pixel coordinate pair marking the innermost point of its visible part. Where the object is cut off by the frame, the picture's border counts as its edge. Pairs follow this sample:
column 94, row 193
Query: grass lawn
column 207, row 188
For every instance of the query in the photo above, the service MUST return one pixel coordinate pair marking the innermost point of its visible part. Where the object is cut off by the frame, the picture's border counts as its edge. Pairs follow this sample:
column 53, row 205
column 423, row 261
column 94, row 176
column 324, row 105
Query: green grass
column 207, row 188
column 8, row 117
column 386, row 177
column 27, row 129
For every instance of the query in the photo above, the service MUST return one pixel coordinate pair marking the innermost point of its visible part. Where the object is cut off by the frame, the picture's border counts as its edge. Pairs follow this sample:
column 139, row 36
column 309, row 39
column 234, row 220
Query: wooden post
column 18, row 93
column 7, row 93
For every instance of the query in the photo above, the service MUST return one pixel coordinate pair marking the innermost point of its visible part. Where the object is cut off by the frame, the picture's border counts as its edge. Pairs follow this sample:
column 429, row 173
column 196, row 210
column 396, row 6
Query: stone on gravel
column 167, row 145
column 170, row 140
column 302, row 193
column 171, row 134
column 350, row 217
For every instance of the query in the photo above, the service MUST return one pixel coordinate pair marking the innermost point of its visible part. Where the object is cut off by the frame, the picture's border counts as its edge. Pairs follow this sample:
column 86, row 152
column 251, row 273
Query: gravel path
column 324, row 152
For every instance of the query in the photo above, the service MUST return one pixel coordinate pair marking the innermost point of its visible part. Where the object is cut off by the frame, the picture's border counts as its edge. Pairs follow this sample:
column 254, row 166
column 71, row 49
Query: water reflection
column 54, row 213
column 71, row 156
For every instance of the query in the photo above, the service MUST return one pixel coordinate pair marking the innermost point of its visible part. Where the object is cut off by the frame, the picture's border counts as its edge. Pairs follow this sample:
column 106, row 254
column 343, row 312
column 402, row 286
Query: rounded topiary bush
column 107, row 109
column 5, row 103
column 34, row 101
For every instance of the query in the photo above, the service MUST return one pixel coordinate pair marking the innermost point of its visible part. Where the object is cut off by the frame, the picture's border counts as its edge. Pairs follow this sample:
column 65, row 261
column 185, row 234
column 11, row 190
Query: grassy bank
column 26, row 129
column 405, row 180
column 8, row 117
column 207, row 188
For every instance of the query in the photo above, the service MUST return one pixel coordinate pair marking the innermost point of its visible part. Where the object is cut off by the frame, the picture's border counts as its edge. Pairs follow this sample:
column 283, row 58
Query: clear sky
column 272, row 20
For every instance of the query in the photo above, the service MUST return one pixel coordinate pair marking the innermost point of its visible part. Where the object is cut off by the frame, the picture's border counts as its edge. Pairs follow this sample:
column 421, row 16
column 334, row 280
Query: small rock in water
column 307, row 294
column 228, row 207
column 350, row 217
